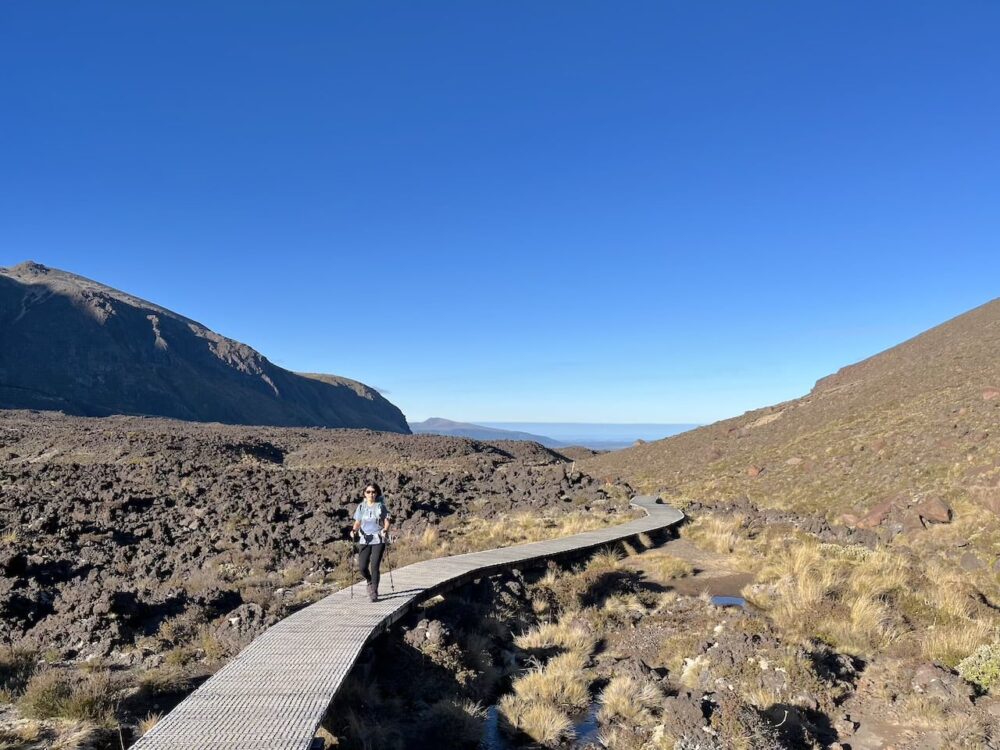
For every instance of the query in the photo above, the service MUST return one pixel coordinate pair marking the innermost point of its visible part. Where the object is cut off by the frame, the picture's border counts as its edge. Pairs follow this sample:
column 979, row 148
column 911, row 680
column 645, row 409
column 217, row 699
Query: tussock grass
column 622, row 608
column 56, row 694
column 80, row 736
column 165, row 680
column 870, row 627
column 666, row 567
column 950, row 644
column 16, row 668
column 147, row 723
column 562, row 682
column 14, row 737
column 628, row 700
column 865, row 601
column 544, row 723
column 565, row 634
column 606, row 559
column 721, row 534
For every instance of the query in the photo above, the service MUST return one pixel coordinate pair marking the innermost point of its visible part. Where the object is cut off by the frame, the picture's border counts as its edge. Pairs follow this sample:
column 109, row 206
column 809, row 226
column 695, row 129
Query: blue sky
column 577, row 211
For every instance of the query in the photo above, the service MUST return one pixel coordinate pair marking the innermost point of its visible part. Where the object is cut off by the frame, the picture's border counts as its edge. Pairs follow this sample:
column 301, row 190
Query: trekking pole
column 390, row 541
column 354, row 564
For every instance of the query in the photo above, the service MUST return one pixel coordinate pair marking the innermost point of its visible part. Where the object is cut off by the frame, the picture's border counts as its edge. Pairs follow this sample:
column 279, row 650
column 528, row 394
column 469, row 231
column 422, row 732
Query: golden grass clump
column 721, row 534
column 148, row 722
column 628, row 700
column 951, row 643
column 525, row 526
column 544, row 723
column 607, row 558
column 871, row 626
column 621, row 608
column 12, row 737
column 479, row 533
column 56, row 694
column 165, row 680
column 564, row 634
column 666, row 567
column 562, row 682
column 865, row 601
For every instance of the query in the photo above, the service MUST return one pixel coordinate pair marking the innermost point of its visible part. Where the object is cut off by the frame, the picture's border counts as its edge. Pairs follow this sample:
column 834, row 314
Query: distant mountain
column 439, row 426
column 921, row 419
column 75, row 345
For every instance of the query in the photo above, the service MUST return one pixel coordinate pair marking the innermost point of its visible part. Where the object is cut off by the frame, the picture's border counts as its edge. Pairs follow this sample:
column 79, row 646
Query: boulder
column 876, row 515
column 755, row 471
column 684, row 715
column 847, row 519
column 936, row 682
column 934, row 510
column 912, row 522
column 991, row 394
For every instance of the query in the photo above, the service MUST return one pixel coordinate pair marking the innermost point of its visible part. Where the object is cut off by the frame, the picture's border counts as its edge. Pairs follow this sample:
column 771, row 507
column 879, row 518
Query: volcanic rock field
column 112, row 526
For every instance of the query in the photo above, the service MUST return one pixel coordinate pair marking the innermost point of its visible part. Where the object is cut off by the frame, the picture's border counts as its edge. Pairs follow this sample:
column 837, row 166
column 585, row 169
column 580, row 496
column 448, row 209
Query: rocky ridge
column 72, row 344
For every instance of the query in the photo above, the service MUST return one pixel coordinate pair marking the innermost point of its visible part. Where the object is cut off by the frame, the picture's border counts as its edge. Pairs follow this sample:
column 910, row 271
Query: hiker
column 371, row 529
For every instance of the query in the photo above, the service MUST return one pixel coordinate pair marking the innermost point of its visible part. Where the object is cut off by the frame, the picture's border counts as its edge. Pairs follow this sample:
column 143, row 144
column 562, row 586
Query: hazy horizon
column 617, row 432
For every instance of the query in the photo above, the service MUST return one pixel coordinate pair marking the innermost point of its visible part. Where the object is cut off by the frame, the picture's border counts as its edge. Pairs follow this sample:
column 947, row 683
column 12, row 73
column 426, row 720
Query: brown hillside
column 920, row 419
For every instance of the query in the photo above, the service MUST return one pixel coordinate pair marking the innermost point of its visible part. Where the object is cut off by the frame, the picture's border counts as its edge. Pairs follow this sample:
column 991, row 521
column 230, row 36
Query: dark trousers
column 369, row 560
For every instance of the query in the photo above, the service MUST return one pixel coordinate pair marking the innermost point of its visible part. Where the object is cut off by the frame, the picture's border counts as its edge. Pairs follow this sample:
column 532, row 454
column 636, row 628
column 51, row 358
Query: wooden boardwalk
column 275, row 693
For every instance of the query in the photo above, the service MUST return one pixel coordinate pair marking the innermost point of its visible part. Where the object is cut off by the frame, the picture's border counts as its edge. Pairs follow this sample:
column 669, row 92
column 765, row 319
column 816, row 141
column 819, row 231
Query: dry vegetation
column 887, row 600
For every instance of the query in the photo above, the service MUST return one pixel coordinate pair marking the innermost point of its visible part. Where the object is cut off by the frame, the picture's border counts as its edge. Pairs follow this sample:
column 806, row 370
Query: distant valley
column 593, row 435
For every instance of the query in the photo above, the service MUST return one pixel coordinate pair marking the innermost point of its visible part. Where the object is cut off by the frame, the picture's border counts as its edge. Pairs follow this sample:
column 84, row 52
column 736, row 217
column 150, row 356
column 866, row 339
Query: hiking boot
column 371, row 591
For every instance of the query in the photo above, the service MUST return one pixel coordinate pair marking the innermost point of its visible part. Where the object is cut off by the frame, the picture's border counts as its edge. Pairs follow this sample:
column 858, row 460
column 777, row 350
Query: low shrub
column 16, row 668
column 58, row 694
column 982, row 667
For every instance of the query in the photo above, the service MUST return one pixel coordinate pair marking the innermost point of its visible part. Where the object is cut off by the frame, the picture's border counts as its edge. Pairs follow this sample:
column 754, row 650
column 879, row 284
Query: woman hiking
column 371, row 528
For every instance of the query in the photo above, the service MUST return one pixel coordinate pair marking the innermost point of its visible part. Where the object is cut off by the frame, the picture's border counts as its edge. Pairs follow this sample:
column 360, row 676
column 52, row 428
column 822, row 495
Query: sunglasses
column 370, row 492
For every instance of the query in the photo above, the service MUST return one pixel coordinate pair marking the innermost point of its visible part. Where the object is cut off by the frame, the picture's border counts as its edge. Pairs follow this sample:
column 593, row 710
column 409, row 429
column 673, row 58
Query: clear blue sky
column 518, row 211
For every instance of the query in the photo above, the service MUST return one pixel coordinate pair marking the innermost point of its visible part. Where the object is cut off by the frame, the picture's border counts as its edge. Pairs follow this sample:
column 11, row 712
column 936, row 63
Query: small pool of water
column 493, row 738
column 585, row 728
column 729, row 601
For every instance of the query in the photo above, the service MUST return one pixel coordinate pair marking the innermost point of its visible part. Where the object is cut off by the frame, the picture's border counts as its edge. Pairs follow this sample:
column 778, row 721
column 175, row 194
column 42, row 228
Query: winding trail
column 274, row 694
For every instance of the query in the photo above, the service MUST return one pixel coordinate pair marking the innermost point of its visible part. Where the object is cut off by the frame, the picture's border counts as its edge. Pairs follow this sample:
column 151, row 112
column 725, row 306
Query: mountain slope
column 439, row 426
column 73, row 344
column 920, row 419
